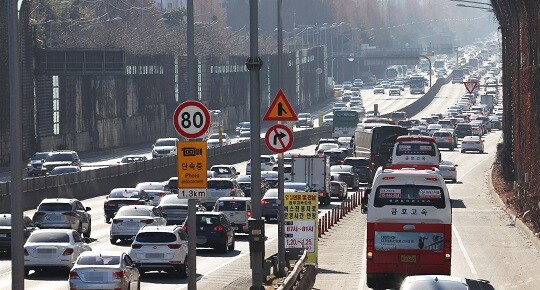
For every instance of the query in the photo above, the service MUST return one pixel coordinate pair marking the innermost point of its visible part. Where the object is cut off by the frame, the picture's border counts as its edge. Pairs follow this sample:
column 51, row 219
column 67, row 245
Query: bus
column 392, row 73
column 345, row 123
column 439, row 64
column 417, row 84
column 409, row 226
column 376, row 141
column 416, row 151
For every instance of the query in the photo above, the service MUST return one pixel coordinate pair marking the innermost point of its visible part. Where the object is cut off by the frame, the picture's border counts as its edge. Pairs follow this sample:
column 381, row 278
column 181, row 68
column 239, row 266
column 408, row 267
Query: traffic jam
column 395, row 163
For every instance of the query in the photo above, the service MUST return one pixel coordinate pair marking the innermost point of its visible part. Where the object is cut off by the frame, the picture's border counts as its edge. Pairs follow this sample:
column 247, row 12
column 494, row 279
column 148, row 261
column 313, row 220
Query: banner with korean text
column 301, row 222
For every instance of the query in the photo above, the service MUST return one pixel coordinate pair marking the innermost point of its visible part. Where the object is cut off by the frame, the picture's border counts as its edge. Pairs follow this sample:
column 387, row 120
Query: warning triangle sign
column 280, row 109
column 470, row 86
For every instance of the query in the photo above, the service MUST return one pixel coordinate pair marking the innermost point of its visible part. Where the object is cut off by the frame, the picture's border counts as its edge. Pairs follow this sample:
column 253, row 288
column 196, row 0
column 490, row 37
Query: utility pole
column 256, row 223
column 15, row 125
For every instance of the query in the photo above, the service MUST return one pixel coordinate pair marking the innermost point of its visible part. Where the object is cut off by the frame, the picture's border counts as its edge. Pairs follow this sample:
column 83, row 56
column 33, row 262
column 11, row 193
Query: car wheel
column 89, row 231
column 223, row 248
column 107, row 220
column 462, row 151
column 26, row 272
column 231, row 246
column 183, row 270
column 79, row 228
column 454, row 181
column 113, row 240
column 451, row 148
column 481, row 151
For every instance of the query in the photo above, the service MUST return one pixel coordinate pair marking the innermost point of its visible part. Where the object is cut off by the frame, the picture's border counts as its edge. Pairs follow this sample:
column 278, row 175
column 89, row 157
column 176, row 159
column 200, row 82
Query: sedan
column 338, row 189
column 132, row 158
column 472, row 143
column 328, row 119
column 5, row 231
column 440, row 282
column 53, row 248
column 175, row 209
column 269, row 204
column 104, row 270
column 64, row 170
column 130, row 218
column 214, row 230
column 244, row 136
column 304, row 120
column 378, row 90
column 214, row 140
column 448, row 170
column 119, row 197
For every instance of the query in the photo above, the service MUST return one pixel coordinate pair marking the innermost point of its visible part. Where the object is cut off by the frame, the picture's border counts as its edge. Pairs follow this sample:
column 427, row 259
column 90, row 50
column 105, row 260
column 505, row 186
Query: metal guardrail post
column 291, row 279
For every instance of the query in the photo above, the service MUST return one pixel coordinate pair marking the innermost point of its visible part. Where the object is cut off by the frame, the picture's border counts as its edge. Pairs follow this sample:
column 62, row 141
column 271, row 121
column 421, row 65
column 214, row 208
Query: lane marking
column 363, row 265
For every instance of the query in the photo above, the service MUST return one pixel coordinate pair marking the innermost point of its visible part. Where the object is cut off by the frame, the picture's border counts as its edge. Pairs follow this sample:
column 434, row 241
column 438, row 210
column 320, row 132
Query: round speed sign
column 191, row 119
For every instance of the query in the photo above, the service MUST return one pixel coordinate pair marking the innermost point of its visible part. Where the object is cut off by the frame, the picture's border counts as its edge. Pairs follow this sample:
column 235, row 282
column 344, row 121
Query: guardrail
column 291, row 279
column 100, row 181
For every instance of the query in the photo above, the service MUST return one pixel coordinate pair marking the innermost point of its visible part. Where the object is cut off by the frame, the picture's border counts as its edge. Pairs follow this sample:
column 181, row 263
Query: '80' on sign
column 191, row 119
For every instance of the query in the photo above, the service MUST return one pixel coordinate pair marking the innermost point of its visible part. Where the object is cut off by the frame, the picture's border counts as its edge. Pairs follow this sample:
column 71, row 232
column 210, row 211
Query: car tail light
column 173, row 246
column 148, row 221
column 477, row 142
column 233, row 191
column 389, row 177
column 69, row 213
column 249, row 212
column 264, row 201
column 185, row 228
column 118, row 275
column 369, row 249
column 67, row 252
column 431, row 178
column 321, row 193
column 136, row 246
column 26, row 252
column 73, row 275
column 218, row 228
column 116, row 221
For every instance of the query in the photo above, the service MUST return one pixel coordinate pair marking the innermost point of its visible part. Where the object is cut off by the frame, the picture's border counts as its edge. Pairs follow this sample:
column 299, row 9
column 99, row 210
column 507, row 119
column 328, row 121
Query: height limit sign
column 279, row 138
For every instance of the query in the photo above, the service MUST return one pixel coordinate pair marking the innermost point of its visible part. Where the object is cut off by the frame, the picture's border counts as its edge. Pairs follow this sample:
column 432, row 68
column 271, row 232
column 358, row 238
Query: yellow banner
column 301, row 211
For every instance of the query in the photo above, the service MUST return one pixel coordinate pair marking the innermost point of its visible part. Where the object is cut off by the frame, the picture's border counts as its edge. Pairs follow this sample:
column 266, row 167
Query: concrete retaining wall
column 97, row 182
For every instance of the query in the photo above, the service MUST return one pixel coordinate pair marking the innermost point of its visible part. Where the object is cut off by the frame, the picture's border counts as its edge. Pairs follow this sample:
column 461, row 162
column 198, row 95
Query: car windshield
column 48, row 237
column 5, row 221
column 220, row 184
column 124, row 193
column 243, row 178
column 99, row 260
column 295, row 186
column 271, row 193
column 59, row 157
column 173, row 200
column 221, row 170
column 207, row 220
column 132, row 159
column 57, row 206
column 155, row 237
column 231, row 205
column 166, row 142
column 40, row 156
column 134, row 211
column 304, row 116
column 245, row 134
column 445, row 162
column 150, row 186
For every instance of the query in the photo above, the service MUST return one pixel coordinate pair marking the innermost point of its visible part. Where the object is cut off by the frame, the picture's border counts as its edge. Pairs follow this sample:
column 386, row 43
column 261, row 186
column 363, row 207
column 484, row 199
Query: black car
column 245, row 184
column 119, row 197
column 463, row 129
column 5, row 231
column 214, row 230
column 361, row 166
column 269, row 204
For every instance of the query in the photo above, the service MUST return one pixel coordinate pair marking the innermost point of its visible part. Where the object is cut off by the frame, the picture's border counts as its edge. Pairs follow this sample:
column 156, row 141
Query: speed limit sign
column 191, row 119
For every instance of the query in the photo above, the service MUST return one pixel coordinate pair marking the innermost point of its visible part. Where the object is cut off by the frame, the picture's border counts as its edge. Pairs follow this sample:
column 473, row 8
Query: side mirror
column 107, row 197
column 88, row 208
column 455, row 165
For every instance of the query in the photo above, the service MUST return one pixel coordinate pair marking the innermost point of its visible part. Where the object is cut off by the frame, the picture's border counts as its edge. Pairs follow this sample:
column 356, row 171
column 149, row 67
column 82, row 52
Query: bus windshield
column 416, row 149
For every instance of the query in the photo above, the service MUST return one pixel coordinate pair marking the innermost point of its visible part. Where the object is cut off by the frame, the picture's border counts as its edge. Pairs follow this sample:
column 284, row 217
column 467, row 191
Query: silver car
column 104, row 270
column 63, row 213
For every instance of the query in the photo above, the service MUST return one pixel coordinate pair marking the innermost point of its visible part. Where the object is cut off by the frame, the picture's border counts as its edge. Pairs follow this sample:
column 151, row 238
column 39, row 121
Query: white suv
column 161, row 248
column 164, row 147
column 267, row 163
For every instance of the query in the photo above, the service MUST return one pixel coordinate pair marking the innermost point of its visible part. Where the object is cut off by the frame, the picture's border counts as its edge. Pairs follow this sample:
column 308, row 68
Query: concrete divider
column 100, row 181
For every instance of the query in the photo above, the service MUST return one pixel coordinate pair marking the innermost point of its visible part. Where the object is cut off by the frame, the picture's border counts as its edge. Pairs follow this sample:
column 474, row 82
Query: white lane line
column 362, row 283
column 462, row 248
column 456, row 232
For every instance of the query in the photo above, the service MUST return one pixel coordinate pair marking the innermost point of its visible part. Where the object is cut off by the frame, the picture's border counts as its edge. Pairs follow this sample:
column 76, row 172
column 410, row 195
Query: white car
column 448, row 170
column 164, row 147
column 244, row 136
column 328, row 119
column 394, row 90
column 155, row 190
column 161, row 248
column 267, row 163
column 104, row 270
column 213, row 140
column 472, row 143
column 441, row 282
column 53, row 248
column 130, row 218
column 378, row 90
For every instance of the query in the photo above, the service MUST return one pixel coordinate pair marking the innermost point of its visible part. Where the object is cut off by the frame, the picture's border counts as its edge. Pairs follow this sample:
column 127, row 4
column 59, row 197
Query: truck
column 458, row 75
column 315, row 172
column 487, row 100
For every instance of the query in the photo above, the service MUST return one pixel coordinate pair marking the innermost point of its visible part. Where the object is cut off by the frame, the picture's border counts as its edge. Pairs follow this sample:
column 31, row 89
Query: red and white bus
column 409, row 226
column 416, row 151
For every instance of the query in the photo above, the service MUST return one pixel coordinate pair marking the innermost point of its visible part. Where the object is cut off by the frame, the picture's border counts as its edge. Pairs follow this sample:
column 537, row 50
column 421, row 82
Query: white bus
column 416, row 151
column 409, row 226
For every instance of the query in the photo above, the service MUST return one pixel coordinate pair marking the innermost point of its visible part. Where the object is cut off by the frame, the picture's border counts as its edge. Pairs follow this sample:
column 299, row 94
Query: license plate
column 235, row 228
column 54, row 217
column 408, row 258
column 129, row 224
column 154, row 256
column 3, row 235
column 95, row 276
column 46, row 251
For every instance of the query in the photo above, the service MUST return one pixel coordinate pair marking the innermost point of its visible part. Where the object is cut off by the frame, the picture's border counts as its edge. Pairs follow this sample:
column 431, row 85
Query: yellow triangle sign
column 280, row 109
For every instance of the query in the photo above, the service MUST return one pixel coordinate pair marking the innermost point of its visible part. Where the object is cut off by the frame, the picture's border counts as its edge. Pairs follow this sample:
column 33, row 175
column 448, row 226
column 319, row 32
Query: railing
column 294, row 275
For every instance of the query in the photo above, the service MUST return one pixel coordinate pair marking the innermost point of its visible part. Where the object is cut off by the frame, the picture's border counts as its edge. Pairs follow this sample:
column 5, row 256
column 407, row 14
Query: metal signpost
column 279, row 138
column 15, row 125
column 191, row 120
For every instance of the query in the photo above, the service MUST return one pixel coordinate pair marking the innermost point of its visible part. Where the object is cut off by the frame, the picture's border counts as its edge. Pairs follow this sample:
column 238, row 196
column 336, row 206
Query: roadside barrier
column 333, row 216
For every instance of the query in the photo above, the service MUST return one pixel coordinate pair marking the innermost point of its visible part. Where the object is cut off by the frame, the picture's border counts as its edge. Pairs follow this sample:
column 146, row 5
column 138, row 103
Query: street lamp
column 477, row 7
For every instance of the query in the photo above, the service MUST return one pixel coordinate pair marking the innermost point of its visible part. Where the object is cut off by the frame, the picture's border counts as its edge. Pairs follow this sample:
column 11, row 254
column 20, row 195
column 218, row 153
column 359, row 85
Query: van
column 237, row 210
